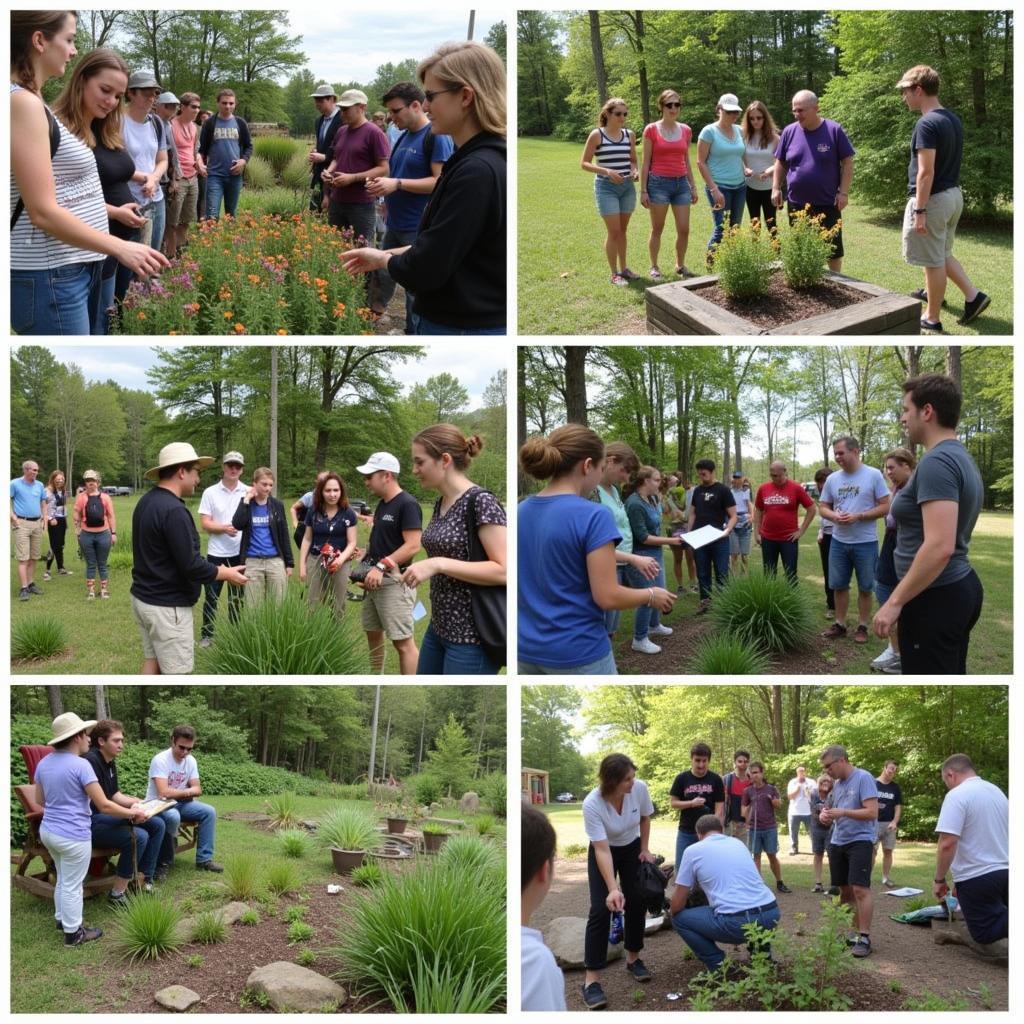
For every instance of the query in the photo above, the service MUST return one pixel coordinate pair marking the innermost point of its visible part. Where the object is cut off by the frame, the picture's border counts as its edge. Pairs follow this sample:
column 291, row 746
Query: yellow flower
column 281, row 330
column 228, row 314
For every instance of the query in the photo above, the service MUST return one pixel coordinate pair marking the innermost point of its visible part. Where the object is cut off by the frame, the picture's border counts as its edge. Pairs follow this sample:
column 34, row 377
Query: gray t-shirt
column 850, row 794
column 859, row 491
column 946, row 473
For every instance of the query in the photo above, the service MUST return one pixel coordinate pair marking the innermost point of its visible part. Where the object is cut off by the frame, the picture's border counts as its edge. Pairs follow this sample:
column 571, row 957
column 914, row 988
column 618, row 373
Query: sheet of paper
column 705, row 535
column 907, row 890
column 418, row 612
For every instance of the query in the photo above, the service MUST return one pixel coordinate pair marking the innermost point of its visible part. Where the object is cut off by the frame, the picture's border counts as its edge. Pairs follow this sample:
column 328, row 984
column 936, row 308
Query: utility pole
column 472, row 22
column 373, row 731
column 273, row 415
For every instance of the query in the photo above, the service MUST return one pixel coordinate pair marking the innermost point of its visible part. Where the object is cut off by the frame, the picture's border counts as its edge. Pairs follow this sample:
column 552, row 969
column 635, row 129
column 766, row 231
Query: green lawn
column 563, row 275
column 991, row 649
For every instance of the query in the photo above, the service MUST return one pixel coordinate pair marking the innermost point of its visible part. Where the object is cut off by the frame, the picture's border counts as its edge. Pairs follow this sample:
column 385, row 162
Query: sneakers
column 148, row 886
column 619, row 281
column 660, row 630
column 885, row 658
column 830, row 613
column 682, row 590
column 834, row 632
column 104, row 592
column 782, row 887
column 162, row 871
column 894, row 667
column 644, row 646
column 33, row 589
column 694, row 589
column 638, row 971
column 205, row 641
column 684, row 272
column 47, row 577
column 65, row 572
column 82, row 935
column 655, row 274
column 818, row 887
column 860, row 634
column 935, row 326
column 628, row 274
column 862, row 947
column 888, row 883
column 704, row 606
column 209, row 865
column 921, row 294
column 23, row 594
column 593, row 996
column 90, row 594
column 117, row 899
column 974, row 308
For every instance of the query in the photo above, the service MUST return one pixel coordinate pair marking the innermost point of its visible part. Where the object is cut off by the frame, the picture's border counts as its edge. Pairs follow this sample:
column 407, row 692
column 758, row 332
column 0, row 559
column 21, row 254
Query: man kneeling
column 174, row 775
column 736, row 893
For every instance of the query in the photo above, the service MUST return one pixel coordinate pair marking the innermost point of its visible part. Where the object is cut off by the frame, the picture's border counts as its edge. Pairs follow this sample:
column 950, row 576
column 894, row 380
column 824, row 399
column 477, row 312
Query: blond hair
column 481, row 69
column 664, row 95
column 547, row 458
column 904, row 455
column 69, row 107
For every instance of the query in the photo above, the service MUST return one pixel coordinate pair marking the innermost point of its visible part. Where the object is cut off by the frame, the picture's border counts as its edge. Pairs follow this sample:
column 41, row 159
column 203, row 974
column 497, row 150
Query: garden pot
column 346, row 860
column 396, row 826
column 433, row 841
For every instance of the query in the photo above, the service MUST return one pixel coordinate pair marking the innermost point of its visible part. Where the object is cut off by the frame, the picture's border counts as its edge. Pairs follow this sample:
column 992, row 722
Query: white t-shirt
column 140, row 140
column 724, row 868
column 220, row 504
column 543, row 984
column 799, row 794
column 602, row 821
column 979, row 814
column 177, row 773
column 859, row 491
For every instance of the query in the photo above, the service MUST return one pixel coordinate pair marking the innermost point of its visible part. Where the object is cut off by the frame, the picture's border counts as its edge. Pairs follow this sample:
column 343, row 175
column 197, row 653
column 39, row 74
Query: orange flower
column 281, row 330
column 224, row 294
column 239, row 328
column 254, row 278
column 142, row 314
column 339, row 309
column 320, row 282
column 172, row 332
column 228, row 314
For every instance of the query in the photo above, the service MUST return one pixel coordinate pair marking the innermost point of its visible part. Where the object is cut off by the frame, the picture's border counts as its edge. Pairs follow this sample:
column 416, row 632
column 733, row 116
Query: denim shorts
column 739, row 540
column 883, row 591
column 764, row 839
column 844, row 559
column 662, row 191
column 63, row 300
column 612, row 198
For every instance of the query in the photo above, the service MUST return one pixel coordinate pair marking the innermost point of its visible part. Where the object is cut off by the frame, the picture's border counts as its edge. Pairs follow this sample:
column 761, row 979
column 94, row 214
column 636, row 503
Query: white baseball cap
column 378, row 461
column 233, row 457
column 728, row 101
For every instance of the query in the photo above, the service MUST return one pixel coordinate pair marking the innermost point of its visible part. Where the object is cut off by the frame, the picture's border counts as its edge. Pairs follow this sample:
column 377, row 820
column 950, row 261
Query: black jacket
column 456, row 267
column 242, row 520
column 328, row 144
column 244, row 138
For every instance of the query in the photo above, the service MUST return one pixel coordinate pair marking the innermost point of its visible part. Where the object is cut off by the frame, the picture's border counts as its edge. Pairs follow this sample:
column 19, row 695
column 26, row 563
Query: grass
column 282, row 877
column 282, row 811
column 241, row 875
column 209, row 928
column 38, row 637
column 563, row 275
column 146, row 928
column 348, row 828
column 299, row 931
column 293, row 843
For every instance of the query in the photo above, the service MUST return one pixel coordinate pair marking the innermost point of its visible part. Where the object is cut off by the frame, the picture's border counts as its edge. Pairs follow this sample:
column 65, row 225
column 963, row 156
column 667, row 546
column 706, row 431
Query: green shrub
column 283, row 814
column 571, row 851
column 434, row 828
column 241, row 871
column 724, row 654
column 766, row 611
column 38, row 637
column 351, row 791
column 259, row 174
column 743, row 262
column 249, row 917
column 209, row 928
column 483, row 824
column 295, row 913
column 806, row 249
column 425, row 788
column 931, row 1002
column 218, row 735
column 146, row 928
column 299, row 931
column 348, row 828
column 297, row 173
column 293, row 842
column 367, row 875
column 438, row 988
column 476, row 857
column 282, row 877
column 493, row 790
column 194, row 960
column 305, row 958
column 278, row 151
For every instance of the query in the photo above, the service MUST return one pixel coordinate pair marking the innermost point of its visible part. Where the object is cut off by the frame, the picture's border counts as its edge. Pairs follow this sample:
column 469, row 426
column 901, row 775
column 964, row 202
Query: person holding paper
column 712, row 505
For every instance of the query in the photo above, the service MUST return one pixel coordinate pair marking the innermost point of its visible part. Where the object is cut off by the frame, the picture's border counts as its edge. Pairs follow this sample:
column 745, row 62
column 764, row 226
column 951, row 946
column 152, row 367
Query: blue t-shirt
column 407, row 160
column 725, row 156
column 225, row 148
column 560, row 623
column 859, row 491
column 261, row 543
column 64, row 776
column 27, row 498
column 850, row 794
column 331, row 530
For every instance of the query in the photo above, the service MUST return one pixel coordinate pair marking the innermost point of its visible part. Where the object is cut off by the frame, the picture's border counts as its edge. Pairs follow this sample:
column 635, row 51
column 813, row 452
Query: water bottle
column 615, row 935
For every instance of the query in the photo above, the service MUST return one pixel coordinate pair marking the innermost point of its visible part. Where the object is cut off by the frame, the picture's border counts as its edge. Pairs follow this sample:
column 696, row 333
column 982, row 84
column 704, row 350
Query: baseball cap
column 233, row 457
column 728, row 101
column 350, row 97
column 736, row 474
column 378, row 461
column 167, row 97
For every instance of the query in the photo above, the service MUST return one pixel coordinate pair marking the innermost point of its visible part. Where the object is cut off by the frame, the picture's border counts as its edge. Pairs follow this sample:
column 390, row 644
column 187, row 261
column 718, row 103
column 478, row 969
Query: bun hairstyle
column 445, row 437
column 24, row 25
column 547, row 458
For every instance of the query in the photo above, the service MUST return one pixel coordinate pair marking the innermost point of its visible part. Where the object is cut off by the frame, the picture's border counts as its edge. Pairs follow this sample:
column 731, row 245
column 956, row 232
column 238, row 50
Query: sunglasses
column 671, row 106
column 431, row 93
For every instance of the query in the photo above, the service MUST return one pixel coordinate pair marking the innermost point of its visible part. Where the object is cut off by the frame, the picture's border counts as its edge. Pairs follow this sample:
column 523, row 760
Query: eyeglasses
column 394, row 110
column 194, row 106
column 828, row 764
column 671, row 106
column 431, row 93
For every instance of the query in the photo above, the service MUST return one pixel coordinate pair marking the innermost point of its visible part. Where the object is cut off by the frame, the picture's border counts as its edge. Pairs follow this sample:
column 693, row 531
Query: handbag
column 488, row 603
column 652, row 887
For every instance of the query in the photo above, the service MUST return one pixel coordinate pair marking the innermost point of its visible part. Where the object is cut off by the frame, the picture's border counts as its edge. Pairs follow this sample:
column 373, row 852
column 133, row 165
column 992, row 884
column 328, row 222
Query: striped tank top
column 77, row 183
column 614, row 155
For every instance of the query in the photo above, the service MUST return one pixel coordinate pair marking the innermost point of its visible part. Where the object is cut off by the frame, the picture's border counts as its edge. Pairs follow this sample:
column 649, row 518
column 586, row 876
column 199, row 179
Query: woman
column 825, row 544
column 820, row 834
column 673, row 499
column 617, row 819
column 899, row 465
column 666, row 179
column 567, row 577
column 66, row 827
column 56, row 522
column 329, row 521
column 643, row 506
column 90, row 106
column 610, row 155
column 452, row 644
column 760, row 137
column 59, row 233
column 720, row 152
column 739, row 539
column 96, row 530
column 266, row 548
column 456, row 267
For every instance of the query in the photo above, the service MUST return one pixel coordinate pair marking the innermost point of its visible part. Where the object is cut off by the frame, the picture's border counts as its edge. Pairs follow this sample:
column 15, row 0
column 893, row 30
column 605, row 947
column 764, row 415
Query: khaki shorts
column 389, row 609
column 181, row 207
column 886, row 837
column 167, row 636
column 935, row 246
column 28, row 540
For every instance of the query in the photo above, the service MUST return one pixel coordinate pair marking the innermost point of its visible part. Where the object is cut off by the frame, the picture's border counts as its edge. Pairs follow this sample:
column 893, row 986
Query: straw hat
column 67, row 725
column 178, row 453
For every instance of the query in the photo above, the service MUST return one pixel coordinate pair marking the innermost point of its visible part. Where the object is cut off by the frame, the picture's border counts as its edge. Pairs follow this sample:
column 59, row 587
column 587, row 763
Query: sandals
column 619, row 280
column 860, row 635
column 655, row 274
column 628, row 274
column 834, row 632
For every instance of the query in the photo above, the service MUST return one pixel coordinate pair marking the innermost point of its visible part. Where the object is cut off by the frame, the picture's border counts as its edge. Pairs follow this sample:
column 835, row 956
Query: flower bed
column 254, row 275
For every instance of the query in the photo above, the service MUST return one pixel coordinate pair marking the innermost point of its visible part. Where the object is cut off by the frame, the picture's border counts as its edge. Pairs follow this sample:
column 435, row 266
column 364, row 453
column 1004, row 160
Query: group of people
column 850, row 813
column 591, row 542
column 105, row 185
column 744, row 160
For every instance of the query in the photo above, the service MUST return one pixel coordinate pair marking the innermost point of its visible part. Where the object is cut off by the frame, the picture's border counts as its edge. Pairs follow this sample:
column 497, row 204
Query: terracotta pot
column 433, row 841
column 396, row 826
column 346, row 860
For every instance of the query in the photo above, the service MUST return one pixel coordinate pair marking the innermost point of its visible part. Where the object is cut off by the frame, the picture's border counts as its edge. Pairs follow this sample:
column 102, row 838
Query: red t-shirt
column 779, row 505
column 669, row 159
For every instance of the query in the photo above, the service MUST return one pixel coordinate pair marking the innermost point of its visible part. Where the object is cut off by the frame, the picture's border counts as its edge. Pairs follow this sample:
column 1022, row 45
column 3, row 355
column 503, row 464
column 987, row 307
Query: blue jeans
column 431, row 327
column 101, row 325
column 381, row 286
column 61, row 301
column 701, row 929
column 235, row 596
column 439, row 657
column 645, row 618
column 773, row 550
column 614, row 617
column 108, row 830
column 602, row 667
column 794, row 829
column 160, row 222
column 218, row 187
column 735, row 200
column 193, row 810
column 683, row 840
column 714, row 555
column 96, row 549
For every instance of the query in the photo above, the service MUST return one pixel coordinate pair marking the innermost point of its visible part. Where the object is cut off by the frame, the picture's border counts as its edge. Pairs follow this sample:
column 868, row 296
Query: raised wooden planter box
column 678, row 308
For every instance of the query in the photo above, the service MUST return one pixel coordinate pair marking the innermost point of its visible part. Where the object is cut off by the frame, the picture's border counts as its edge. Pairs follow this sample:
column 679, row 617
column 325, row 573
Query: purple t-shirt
column 812, row 162
column 761, row 813
column 357, row 150
column 64, row 776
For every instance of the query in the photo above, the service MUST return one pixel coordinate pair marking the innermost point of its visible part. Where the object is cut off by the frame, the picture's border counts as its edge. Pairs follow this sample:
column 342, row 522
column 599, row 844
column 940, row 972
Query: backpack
column 95, row 513
column 652, row 887
column 726, row 783
column 19, row 206
column 428, row 146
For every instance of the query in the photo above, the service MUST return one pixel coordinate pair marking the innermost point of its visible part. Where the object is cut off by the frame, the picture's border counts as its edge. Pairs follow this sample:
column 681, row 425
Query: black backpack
column 428, row 147
column 19, row 206
column 652, row 887
column 95, row 513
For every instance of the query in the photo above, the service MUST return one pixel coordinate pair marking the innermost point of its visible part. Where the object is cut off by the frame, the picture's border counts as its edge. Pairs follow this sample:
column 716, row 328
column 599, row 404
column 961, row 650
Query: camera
column 359, row 571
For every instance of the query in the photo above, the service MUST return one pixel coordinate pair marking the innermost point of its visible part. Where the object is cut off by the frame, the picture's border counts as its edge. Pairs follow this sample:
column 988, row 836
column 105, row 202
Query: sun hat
column 143, row 80
column 323, row 91
column 67, row 725
column 378, row 461
column 350, row 97
column 178, row 453
column 728, row 101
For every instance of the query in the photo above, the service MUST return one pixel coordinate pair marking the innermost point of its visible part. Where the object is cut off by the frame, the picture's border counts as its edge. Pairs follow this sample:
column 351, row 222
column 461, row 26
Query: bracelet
column 650, row 600
column 940, row 881
column 923, row 210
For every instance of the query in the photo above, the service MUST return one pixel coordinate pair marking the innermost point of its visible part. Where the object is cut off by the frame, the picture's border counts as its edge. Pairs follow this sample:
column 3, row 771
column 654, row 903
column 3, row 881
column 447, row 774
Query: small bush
column 282, row 811
column 299, row 931
column 806, row 249
column 297, row 173
column 367, row 875
column 493, row 790
column 484, row 824
column 571, row 851
column 438, row 988
column 241, row 871
column 425, row 788
column 766, row 611
column 209, row 928
column 743, row 262
column 194, row 960
column 723, row 654
column 434, row 828
column 273, row 202
column 474, row 857
column 250, row 917
column 38, row 637
column 305, row 958
column 278, row 151
column 259, row 174
column 295, row 913
column 282, row 877
column 930, row 1002
column 347, row 828
column 293, row 842
column 146, row 928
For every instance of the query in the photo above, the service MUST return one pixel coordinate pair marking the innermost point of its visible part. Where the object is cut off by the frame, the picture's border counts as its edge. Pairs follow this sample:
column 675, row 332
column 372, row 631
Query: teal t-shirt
column 725, row 156
column 613, row 502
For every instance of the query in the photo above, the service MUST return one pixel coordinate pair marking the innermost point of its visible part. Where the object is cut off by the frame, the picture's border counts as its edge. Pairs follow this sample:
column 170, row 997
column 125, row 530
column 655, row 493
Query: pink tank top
column 669, row 159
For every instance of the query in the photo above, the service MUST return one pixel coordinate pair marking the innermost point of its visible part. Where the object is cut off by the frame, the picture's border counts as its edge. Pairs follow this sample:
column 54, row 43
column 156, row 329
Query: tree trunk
column 423, row 734
column 796, row 738
column 373, row 730
column 56, row 701
column 953, row 355
column 523, row 483
column 576, row 383
column 778, row 736
column 143, row 712
column 101, row 701
column 641, row 66
column 387, row 741
column 273, row 416
column 597, row 47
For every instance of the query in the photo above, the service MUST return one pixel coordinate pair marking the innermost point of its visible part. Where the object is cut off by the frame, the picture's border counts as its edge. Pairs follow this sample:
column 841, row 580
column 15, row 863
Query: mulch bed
column 785, row 305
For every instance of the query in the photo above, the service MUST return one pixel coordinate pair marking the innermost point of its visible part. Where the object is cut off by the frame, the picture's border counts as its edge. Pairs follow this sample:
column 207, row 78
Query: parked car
column 564, row 798
column 812, row 489
column 360, row 506
column 117, row 492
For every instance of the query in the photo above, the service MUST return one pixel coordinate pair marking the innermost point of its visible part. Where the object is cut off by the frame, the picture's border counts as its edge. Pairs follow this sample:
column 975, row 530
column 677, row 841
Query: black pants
column 985, row 904
column 773, row 550
column 935, row 628
column 824, row 545
column 213, row 595
column 759, row 205
column 56, row 535
column 625, row 864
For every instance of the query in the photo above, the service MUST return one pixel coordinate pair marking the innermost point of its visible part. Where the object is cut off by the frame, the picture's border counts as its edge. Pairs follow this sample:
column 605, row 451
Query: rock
column 564, row 937
column 470, row 803
column 657, row 924
column 228, row 914
column 177, row 998
column 955, row 933
column 434, row 808
column 290, row 988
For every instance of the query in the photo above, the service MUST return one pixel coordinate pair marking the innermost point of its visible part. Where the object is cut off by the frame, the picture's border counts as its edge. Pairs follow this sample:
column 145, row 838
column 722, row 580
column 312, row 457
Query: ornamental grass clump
column 805, row 249
column 367, row 875
column 38, row 637
column 293, row 843
column 765, row 610
column 296, row 173
column 241, row 874
column 348, row 828
column 283, row 814
column 209, row 928
column 146, row 928
column 725, row 654
column 474, row 857
column 259, row 174
column 278, row 151
column 743, row 262
column 282, row 878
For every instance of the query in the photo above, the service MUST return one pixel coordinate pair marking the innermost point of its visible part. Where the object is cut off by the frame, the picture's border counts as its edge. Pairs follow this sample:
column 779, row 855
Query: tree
column 495, row 39
column 444, row 394
column 597, row 50
column 576, row 383
column 451, row 761
column 34, row 374
column 548, row 743
column 298, row 107
column 537, row 75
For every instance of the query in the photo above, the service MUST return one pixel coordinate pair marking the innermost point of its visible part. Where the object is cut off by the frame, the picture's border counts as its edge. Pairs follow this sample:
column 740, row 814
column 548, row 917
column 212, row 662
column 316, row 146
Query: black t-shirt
column 711, row 505
column 106, row 775
column 942, row 131
column 115, row 167
column 390, row 518
column 888, row 797
column 330, row 529
column 688, row 786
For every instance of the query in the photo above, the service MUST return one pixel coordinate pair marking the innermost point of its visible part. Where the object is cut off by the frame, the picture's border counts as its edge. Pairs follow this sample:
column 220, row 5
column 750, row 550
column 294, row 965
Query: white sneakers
column 888, row 661
column 660, row 630
column 644, row 646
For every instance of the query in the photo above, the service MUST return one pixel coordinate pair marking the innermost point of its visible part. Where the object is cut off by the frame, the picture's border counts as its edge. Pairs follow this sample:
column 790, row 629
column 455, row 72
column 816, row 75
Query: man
column 226, row 147
column 167, row 108
column 693, row 793
column 328, row 122
column 798, row 792
column 28, row 521
column 736, row 893
column 360, row 154
column 174, row 775
column 733, row 785
column 147, row 144
column 973, row 830
column 760, row 802
column 775, row 525
column 712, row 504
column 854, row 810
column 852, row 499
column 414, row 166
column 938, row 598
column 107, row 744
column 543, row 985
column 814, row 162
column 890, row 810
column 936, row 202
column 168, row 571
column 394, row 541
column 182, row 205
column 217, row 508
